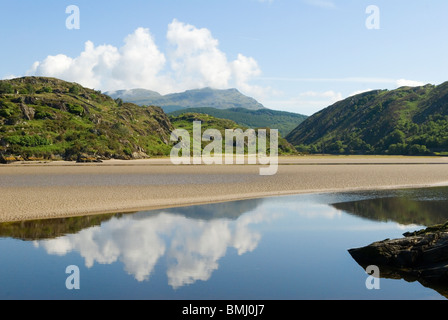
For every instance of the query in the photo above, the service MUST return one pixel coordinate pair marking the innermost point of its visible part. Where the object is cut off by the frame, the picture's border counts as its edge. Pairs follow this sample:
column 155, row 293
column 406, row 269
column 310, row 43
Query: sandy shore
column 60, row 189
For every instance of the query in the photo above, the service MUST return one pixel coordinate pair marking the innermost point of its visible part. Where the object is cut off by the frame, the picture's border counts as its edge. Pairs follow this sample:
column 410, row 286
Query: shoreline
column 57, row 190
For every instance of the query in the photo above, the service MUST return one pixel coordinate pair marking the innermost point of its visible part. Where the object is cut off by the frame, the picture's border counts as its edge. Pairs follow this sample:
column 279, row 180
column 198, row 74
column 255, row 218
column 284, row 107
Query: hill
column 206, row 97
column 405, row 121
column 47, row 118
column 185, row 121
column 285, row 122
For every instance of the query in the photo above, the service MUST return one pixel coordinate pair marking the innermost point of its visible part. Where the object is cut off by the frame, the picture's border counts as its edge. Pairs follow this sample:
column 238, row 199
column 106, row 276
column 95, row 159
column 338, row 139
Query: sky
column 292, row 55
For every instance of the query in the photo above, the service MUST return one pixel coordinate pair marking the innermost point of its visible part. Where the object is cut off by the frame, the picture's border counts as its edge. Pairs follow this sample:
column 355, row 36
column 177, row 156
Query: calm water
column 289, row 248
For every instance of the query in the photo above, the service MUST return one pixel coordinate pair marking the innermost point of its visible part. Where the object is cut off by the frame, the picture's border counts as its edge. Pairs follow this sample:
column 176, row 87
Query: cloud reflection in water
column 192, row 247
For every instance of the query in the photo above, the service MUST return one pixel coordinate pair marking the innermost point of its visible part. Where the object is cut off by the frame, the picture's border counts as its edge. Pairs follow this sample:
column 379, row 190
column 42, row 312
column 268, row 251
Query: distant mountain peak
column 195, row 98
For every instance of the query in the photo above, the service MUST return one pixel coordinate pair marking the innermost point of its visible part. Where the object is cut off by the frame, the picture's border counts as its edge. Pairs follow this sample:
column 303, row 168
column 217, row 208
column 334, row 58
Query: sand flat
column 60, row 189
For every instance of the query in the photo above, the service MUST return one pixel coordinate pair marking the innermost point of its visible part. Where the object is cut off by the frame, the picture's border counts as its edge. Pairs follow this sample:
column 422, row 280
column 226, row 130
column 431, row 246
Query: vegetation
column 52, row 228
column 399, row 209
column 46, row 118
column 283, row 121
column 185, row 121
column 405, row 121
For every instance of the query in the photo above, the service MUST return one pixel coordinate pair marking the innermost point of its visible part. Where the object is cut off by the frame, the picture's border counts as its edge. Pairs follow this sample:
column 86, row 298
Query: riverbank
column 60, row 189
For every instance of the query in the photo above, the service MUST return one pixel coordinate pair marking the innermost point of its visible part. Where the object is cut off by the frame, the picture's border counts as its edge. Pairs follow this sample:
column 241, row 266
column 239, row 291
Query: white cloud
column 308, row 102
column 8, row 77
column 137, row 63
column 359, row 92
column 409, row 83
column 196, row 59
column 193, row 61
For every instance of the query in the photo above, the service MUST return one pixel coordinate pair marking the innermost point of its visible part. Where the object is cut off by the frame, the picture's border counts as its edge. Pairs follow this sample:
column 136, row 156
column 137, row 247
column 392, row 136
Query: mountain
column 285, row 122
column 408, row 120
column 137, row 96
column 206, row 97
column 47, row 118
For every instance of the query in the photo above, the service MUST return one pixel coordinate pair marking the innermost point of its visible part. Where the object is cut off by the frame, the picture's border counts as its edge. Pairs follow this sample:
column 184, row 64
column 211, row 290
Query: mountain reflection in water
column 424, row 207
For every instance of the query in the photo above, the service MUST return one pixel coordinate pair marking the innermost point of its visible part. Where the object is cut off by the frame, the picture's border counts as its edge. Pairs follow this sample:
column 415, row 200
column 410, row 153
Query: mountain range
column 206, row 97
column 226, row 104
column 47, row 118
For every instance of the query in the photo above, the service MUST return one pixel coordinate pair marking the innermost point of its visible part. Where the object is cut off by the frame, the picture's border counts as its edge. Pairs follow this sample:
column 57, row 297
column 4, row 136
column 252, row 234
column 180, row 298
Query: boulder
column 419, row 256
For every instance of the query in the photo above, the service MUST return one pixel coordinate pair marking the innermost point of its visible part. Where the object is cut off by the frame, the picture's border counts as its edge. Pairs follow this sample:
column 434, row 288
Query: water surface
column 289, row 248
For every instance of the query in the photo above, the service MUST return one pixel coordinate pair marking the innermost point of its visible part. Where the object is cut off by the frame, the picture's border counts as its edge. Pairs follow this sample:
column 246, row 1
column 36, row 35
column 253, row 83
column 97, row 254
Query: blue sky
column 292, row 55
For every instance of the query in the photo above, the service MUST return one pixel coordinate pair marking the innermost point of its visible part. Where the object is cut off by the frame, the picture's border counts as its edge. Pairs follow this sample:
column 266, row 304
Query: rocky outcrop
column 86, row 158
column 28, row 112
column 419, row 256
column 10, row 159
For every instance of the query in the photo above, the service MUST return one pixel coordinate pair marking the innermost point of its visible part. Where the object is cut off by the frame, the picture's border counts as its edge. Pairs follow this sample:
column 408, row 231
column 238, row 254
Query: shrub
column 75, row 109
column 6, row 87
column 45, row 90
column 417, row 149
column 28, row 141
column 74, row 89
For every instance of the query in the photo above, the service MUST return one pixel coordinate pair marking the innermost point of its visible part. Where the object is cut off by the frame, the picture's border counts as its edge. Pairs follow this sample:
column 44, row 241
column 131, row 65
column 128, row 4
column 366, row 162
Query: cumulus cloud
column 196, row 59
column 193, row 60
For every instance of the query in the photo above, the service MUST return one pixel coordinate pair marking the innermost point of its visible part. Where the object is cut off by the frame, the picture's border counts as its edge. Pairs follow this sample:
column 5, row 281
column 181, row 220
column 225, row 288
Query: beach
column 32, row 191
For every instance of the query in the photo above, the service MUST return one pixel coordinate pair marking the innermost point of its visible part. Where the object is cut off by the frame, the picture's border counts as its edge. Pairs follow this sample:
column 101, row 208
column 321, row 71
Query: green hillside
column 283, row 121
column 405, row 121
column 46, row 118
column 185, row 121
column 50, row 119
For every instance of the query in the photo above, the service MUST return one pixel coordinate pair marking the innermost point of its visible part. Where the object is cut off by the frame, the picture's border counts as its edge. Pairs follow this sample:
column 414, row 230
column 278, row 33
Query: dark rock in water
column 419, row 256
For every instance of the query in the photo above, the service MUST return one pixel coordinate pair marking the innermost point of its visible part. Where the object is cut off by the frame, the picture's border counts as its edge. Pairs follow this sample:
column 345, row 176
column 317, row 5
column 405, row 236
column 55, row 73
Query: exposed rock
column 139, row 155
column 10, row 159
column 28, row 112
column 85, row 158
column 30, row 100
column 419, row 256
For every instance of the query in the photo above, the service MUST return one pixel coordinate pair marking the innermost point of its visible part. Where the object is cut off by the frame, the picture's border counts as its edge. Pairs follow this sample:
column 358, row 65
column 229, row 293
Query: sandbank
column 32, row 191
